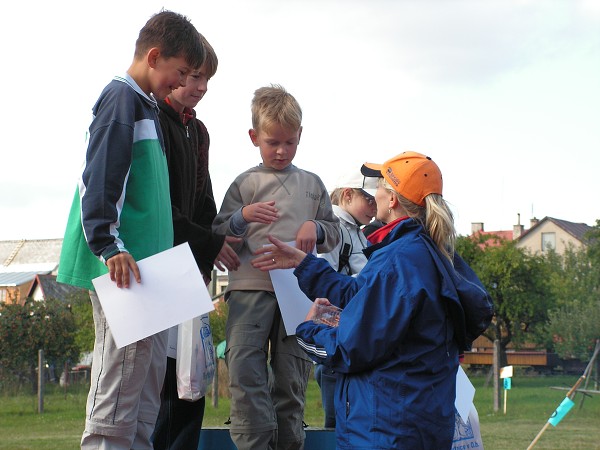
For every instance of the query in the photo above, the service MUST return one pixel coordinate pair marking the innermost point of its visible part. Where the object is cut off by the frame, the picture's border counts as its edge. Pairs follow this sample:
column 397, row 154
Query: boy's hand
column 306, row 238
column 262, row 212
column 118, row 268
column 227, row 257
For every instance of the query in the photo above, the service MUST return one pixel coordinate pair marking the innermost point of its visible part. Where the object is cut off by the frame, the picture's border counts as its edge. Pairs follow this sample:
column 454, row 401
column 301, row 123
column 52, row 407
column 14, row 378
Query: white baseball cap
column 356, row 180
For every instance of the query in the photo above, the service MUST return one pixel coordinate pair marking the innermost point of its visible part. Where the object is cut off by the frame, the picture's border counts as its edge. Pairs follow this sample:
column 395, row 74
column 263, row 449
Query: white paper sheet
column 293, row 304
column 465, row 392
column 172, row 291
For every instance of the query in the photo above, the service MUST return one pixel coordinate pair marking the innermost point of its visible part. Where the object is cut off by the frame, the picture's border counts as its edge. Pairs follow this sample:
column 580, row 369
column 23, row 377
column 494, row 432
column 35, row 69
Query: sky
column 503, row 94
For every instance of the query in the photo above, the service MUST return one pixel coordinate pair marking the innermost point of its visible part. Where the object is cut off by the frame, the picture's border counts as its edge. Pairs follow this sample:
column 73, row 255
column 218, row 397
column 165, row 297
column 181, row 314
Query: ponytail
column 439, row 223
column 437, row 220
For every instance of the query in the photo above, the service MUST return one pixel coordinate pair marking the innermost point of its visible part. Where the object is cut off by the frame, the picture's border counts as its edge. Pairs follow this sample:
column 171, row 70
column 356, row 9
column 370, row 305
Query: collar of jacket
column 398, row 228
column 184, row 117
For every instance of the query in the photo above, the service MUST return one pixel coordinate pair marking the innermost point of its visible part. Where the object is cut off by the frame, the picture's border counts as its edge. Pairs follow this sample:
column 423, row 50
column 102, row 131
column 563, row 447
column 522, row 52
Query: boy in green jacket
column 121, row 213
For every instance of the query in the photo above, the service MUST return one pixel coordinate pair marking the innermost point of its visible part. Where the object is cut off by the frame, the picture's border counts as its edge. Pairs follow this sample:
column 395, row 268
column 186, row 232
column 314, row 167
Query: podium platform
column 217, row 438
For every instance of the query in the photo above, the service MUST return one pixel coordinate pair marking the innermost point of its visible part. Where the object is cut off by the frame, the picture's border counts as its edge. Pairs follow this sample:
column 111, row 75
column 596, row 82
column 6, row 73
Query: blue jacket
column 399, row 336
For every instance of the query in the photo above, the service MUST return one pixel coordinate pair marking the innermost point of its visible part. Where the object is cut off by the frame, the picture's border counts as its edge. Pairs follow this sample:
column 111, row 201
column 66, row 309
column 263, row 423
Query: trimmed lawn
column 530, row 404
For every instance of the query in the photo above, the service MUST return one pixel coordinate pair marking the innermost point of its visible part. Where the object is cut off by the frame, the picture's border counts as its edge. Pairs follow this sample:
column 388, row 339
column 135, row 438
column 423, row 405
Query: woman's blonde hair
column 435, row 216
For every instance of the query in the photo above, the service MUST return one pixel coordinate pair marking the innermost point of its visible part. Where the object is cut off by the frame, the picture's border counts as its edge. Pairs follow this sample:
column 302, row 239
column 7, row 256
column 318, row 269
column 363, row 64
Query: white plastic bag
column 195, row 358
column 467, row 435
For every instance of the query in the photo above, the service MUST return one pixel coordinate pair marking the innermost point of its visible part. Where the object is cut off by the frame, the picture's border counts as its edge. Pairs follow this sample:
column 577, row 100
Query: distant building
column 218, row 285
column 543, row 235
column 22, row 260
column 46, row 286
column 554, row 234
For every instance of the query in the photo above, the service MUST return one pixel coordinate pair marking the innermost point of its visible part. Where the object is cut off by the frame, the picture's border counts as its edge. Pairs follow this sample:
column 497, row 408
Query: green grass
column 530, row 403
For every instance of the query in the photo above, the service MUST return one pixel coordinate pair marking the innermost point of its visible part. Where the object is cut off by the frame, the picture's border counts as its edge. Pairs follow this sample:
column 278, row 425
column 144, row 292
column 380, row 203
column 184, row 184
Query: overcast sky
column 503, row 94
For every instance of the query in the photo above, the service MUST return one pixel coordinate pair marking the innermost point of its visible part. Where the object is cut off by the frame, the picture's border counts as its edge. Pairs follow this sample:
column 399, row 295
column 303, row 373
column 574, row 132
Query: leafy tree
column 218, row 319
column 81, row 306
column 517, row 283
column 47, row 325
column 593, row 244
column 574, row 325
column 574, row 329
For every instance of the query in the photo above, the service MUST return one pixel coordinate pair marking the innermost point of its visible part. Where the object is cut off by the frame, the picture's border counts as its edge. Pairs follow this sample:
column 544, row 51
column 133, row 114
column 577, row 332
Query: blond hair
column 337, row 196
column 436, row 217
column 273, row 105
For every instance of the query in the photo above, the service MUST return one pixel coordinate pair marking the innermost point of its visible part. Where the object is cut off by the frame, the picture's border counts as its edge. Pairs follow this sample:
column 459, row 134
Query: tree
column 574, row 329
column 218, row 320
column 593, row 244
column 81, row 306
column 47, row 325
column 517, row 283
column 574, row 325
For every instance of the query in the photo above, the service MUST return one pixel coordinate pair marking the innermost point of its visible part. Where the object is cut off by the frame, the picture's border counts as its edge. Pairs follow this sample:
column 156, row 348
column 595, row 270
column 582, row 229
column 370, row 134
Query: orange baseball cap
column 412, row 175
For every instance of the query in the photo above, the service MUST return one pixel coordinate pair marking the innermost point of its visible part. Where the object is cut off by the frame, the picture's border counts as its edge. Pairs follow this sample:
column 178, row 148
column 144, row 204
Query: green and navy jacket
column 122, row 203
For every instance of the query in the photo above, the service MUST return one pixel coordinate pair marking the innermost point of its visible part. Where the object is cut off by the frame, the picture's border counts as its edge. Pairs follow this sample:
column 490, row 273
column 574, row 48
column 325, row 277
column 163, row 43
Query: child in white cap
column 353, row 202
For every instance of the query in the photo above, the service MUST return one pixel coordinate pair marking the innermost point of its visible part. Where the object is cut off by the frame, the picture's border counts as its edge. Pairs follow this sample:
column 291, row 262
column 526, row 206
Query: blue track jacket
column 406, row 317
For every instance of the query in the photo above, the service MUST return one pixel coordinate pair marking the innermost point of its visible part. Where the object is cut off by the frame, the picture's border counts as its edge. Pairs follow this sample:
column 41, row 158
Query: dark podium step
column 217, row 438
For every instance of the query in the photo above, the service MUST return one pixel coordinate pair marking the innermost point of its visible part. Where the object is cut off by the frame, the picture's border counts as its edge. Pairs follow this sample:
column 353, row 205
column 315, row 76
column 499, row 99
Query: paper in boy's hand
column 172, row 291
column 327, row 315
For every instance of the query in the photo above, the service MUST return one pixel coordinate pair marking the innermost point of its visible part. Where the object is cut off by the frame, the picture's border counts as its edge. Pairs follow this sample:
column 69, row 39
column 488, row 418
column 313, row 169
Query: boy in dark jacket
column 193, row 206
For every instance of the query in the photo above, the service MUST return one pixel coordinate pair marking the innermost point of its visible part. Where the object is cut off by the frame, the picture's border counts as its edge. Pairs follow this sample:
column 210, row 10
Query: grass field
column 530, row 403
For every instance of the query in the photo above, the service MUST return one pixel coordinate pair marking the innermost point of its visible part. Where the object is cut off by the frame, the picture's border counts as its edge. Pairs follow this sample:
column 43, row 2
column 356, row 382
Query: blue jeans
column 326, row 380
column 179, row 421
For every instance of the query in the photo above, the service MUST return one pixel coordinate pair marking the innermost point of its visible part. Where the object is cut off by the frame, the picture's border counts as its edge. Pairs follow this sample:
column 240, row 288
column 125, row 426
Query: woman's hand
column 279, row 255
column 315, row 309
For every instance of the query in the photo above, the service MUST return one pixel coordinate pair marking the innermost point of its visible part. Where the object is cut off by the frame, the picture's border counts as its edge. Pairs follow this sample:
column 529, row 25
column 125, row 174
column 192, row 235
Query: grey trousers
column 267, row 407
column 124, row 396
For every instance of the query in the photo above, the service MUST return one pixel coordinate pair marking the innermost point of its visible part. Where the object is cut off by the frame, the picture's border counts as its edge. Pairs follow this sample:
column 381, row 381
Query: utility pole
column 496, row 364
column 41, row 373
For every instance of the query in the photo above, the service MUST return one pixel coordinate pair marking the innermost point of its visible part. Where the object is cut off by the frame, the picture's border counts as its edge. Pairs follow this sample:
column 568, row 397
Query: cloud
column 503, row 94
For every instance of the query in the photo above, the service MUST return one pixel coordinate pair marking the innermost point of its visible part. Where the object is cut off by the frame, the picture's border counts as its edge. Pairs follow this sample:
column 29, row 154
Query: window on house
column 548, row 241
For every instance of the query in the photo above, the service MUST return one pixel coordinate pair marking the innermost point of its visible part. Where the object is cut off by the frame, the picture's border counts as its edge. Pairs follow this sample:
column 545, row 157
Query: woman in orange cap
column 406, row 317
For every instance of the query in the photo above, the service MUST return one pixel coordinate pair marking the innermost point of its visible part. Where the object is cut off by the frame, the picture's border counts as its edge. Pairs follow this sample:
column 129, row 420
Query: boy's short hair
column 273, row 105
column 210, row 61
column 174, row 35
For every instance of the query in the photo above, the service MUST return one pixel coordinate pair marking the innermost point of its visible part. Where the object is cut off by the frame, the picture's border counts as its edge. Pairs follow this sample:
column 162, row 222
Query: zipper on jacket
column 187, row 131
column 346, row 388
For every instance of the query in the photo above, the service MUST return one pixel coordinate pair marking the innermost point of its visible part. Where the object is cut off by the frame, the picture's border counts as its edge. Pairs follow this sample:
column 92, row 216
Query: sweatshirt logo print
column 313, row 196
column 282, row 184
